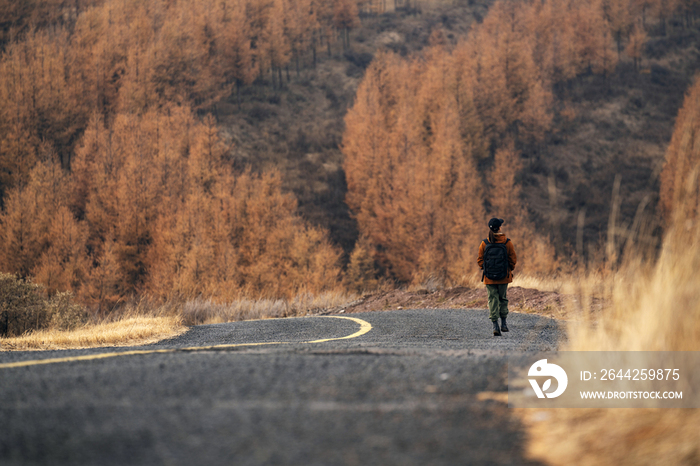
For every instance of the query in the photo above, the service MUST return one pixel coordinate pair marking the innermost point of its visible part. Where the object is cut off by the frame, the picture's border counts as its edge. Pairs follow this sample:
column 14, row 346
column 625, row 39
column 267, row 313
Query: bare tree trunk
column 663, row 25
column 313, row 48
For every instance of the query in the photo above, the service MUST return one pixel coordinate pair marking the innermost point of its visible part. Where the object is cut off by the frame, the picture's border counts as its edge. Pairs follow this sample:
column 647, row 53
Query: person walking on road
column 497, row 259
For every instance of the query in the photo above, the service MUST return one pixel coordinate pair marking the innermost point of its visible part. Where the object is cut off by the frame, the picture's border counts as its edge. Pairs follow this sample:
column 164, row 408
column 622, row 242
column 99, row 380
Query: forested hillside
column 554, row 115
column 245, row 147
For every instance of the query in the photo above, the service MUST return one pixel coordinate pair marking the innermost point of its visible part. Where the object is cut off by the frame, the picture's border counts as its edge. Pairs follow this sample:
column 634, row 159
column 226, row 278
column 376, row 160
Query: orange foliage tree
column 411, row 146
column 432, row 144
column 122, row 56
column 182, row 223
column 110, row 186
column 153, row 206
column 680, row 178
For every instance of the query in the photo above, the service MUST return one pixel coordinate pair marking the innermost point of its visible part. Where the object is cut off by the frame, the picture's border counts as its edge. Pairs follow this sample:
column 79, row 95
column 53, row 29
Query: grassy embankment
column 127, row 331
column 144, row 322
column 653, row 308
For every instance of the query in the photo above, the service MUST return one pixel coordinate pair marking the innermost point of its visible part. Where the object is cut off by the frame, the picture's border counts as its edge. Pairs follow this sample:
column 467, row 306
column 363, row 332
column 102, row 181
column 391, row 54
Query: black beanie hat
column 495, row 223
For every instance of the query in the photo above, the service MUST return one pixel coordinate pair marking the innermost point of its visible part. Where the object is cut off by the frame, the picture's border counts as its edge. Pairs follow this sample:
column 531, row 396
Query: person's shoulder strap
column 485, row 240
column 507, row 239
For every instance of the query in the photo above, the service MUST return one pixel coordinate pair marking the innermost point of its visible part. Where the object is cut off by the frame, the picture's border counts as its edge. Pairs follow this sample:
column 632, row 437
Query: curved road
column 394, row 387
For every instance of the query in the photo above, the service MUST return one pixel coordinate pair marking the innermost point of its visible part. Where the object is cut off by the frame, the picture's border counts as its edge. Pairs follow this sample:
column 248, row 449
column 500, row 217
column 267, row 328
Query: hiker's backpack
column 495, row 260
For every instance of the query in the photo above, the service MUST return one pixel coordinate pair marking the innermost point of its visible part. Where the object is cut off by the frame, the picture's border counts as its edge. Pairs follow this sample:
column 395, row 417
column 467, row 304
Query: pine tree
column 301, row 25
column 361, row 273
column 410, row 166
column 635, row 47
column 619, row 18
column 64, row 263
column 21, row 244
column 345, row 18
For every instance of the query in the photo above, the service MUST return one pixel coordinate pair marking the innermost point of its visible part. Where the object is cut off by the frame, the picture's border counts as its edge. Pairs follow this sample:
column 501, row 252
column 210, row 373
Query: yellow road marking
column 364, row 328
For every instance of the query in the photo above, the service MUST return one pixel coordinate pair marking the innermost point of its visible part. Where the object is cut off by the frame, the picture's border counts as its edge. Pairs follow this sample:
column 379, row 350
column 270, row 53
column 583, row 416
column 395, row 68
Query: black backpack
column 495, row 260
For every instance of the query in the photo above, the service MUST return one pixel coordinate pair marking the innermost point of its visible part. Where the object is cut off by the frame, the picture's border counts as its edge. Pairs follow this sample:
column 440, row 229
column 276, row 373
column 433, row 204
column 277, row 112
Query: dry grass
column 134, row 330
column 141, row 322
column 654, row 308
column 556, row 285
column 200, row 311
column 614, row 436
column 575, row 283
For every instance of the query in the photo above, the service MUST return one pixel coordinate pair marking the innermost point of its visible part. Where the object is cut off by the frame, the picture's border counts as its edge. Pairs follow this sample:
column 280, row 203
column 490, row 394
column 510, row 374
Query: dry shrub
column 614, row 436
column 360, row 275
column 24, row 307
column 655, row 307
column 21, row 306
column 65, row 314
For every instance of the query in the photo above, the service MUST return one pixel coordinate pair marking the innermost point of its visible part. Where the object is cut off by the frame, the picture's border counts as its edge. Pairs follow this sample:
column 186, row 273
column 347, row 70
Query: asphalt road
column 401, row 392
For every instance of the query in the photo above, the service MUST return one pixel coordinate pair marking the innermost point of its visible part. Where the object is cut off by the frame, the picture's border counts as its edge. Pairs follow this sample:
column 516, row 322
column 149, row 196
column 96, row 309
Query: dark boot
column 504, row 327
column 496, row 330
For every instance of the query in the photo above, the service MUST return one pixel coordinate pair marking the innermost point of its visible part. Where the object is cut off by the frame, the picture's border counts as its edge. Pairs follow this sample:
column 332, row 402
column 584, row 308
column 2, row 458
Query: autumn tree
column 412, row 181
column 361, row 272
column 346, row 18
column 433, row 144
column 511, row 93
column 663, row 9
column 619, row 18
column 680, row 187
column 39, row 105
column 325, row 11
column 168, row 216
column 237, row 59
column 301, row 27
column 635, row 47
column 64, row 264
column 40, row 236
column 21, row 245
column 551, row 30
column 278, row 43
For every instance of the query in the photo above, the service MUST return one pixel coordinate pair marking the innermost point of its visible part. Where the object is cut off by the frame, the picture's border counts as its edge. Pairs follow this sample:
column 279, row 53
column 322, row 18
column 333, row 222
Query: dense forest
column 438, row 142
column 262, row 148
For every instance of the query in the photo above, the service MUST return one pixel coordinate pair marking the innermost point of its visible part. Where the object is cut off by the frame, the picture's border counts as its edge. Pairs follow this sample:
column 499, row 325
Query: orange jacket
column 512, row 260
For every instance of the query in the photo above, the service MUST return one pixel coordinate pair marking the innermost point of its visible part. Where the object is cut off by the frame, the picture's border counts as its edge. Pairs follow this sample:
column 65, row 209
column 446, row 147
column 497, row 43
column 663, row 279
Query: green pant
column 498, row 302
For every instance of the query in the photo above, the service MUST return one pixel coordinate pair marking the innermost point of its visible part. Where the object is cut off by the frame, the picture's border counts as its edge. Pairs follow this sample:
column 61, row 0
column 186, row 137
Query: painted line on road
column 364, row 328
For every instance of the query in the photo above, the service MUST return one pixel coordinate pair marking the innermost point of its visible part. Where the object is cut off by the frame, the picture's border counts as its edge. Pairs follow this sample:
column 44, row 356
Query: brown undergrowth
column 129, row 331
column 552, row 304
column 145, row 321
column 654, row 307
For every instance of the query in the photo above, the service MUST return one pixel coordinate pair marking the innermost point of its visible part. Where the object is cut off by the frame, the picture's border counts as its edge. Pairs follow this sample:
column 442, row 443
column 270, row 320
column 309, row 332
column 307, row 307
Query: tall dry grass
column 127, row 331
column 654, row 307
column 145, row 321
column 200, row 311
